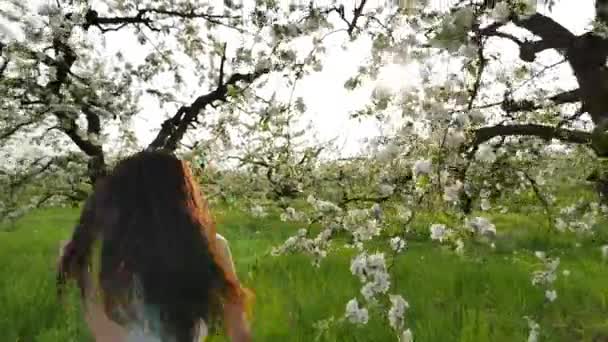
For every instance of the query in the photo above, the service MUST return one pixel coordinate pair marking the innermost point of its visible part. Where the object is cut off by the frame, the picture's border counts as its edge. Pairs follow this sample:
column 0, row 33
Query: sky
column 329, row 103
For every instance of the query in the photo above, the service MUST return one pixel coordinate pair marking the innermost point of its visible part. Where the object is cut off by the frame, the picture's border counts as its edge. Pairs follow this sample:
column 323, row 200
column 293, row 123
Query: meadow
column 481, row 296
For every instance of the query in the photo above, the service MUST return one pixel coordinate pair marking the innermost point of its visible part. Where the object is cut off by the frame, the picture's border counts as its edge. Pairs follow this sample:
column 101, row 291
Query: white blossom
column 367, row 230
column 258, row 211
column 534, row 330
column 451, row 193
column 422, row 167
column 323, row 206
column 481, row 225
column 485, row 204
column 604, row 250
column 439, row 232
column 262, row 64
column 546, row 275
column 551, row 295
column 477, row 117
column 403, row 213
column 560, row 225
column 397, row 311
column 355, row 314
column 358, row 265
column 461, row 120
column 372, row 271
column 469, row 50
column 390, row 151
column 459, row 247
column 486, row 154
column 290, row 214
column 464, row 17
column 386, row 190
column 382, row 91
column 376, row 210
column 46, row 9
column 406, row 336
column 454, row 138
column 398, row 244
column 540, row 254
column 368, row 291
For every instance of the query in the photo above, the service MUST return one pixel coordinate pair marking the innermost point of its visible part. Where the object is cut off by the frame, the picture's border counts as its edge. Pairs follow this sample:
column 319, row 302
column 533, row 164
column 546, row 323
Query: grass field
column 482, row 296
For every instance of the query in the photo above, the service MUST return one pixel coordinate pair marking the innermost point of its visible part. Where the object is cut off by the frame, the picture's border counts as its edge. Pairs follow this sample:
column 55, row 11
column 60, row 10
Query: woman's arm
column 237, row 326
column 225, row 256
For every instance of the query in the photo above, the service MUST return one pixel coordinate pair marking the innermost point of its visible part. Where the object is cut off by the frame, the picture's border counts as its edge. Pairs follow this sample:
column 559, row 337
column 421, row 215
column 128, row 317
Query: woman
column 147, row 260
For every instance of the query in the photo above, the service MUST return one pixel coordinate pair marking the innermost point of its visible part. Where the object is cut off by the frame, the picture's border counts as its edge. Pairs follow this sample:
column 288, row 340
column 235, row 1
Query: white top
column 105, row 329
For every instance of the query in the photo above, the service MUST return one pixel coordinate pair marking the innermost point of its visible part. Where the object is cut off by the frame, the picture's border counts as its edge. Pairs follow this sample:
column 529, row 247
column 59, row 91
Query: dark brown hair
column 155, row 231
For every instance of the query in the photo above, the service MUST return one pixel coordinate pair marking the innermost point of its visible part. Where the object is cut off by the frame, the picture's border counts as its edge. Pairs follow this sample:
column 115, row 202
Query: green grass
column 482, row 296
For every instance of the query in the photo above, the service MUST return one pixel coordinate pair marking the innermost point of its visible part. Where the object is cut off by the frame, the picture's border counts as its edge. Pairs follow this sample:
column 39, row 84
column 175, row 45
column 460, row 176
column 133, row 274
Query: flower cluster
column 363, row 224
column 534, row 330
column 481, row 226
column 324, row 207
column 355, row 314
column 440, row 232
column 454, row 30
column 398, row 244
column 422, row 167
column 604, row 250
column 547, row 275
column 486, row 154
column 580, row 217
column 258, row 211
column 396, row 314
column 451, row 193
column 396, row 317
column 372, row 271
column 291, row 214
column 317, row 247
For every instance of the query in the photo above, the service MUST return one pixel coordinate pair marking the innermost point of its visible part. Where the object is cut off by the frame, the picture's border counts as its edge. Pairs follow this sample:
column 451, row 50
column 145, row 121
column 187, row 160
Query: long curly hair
column 155, row 234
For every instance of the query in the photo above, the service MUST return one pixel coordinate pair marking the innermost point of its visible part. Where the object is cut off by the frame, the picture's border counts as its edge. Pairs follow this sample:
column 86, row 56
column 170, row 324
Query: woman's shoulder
column 221, row 241
column 219, row 237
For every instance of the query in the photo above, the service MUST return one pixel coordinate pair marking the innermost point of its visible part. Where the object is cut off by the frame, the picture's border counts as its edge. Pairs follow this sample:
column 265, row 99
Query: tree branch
column 3, row 66
column 481, row 68
column 492, row 31
column 356, row 15
column 570, row 96
column 539, row 195
column 92, row 18
column 173, row 129
column 484, row 134
column 553, row 35
column 244, row 161
column 97, row 165
column 12, row 130
column 93, row 120
column 32, row 172
column 222, row 64
column 347, row 200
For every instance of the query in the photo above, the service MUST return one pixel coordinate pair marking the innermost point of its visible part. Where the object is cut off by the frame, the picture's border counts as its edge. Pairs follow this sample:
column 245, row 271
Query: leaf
column 233, row 91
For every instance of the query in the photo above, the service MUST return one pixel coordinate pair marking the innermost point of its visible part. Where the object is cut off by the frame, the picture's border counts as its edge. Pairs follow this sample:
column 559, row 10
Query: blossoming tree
column 469, row 129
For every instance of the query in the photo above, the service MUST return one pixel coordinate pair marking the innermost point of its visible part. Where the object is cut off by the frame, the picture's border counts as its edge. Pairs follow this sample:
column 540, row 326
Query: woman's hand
column 237, row 327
